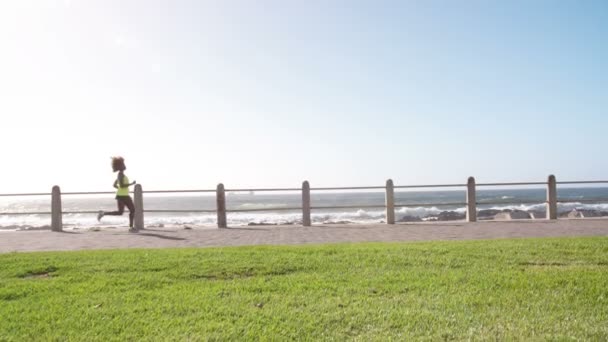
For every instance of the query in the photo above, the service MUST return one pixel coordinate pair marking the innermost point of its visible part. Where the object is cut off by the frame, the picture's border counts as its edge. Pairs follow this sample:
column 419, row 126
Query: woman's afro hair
column 118, row 164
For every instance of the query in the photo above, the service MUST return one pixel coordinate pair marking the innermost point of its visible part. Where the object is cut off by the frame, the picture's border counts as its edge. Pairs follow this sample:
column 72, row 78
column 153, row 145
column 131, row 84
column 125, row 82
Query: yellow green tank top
column 123, row 189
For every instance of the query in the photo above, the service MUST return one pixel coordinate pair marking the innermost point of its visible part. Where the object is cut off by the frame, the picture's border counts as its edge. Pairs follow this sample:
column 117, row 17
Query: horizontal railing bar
column 179, row 211
column 148, row 211
column 429, row 204
column 26, row 194
column 582, row 201
column 176, row 191
column 260, row 209
column 318, row 189
column 264, row 189
column 89, row 193
column 429, row 186
column 147, row 192
column 26, row 213
column 349, row 188
column 95, row 212
column 508, row 184
column 349, row 206
column 81, row 212
column 513, row 202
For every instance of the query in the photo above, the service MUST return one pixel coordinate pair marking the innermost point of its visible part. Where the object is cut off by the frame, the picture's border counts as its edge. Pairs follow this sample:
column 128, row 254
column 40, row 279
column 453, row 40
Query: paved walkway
column 288, row 235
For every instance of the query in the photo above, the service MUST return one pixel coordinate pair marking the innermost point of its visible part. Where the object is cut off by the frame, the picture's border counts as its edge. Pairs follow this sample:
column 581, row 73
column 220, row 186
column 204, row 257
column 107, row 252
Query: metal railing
column 389, row 188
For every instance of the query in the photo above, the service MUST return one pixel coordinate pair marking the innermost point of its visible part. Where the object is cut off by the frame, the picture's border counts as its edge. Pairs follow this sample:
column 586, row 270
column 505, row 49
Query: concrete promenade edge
column 172, row 237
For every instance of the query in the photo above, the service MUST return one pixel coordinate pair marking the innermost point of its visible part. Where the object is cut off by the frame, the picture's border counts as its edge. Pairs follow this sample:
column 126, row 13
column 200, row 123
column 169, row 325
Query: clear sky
column 271, row 93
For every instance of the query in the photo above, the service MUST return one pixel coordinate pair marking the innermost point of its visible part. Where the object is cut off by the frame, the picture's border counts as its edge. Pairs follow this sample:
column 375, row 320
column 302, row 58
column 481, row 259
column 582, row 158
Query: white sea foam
column 561, row 207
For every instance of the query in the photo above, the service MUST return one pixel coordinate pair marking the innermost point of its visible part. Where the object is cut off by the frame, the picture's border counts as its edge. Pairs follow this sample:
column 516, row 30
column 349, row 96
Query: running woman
column 122, row 193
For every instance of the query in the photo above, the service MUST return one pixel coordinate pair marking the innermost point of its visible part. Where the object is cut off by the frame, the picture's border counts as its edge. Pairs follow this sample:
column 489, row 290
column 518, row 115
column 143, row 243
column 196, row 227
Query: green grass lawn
column 480, row 290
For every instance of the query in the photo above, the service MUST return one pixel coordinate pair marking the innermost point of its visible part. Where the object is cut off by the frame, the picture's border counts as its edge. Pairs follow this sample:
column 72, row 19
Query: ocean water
column 595, row 199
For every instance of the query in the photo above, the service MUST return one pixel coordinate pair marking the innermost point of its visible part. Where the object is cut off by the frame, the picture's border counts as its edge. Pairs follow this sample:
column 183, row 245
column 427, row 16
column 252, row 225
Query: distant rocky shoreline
column 505, row 214
column 482, row 215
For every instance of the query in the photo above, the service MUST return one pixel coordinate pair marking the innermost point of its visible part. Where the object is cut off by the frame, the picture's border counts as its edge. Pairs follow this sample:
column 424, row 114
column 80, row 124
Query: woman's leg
column 121, row 208
column 129, row 203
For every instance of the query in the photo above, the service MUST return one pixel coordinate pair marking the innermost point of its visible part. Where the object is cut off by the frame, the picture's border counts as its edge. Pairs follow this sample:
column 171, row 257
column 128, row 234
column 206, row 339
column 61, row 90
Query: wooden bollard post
column 551, row 198
column 471, row 200
column 390, row 202
column 56, row 212
column 306, row 222
column 139, row 208
column 221, row 206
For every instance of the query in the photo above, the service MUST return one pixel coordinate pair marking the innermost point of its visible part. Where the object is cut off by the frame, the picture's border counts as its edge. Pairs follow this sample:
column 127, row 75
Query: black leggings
column 123, row 201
